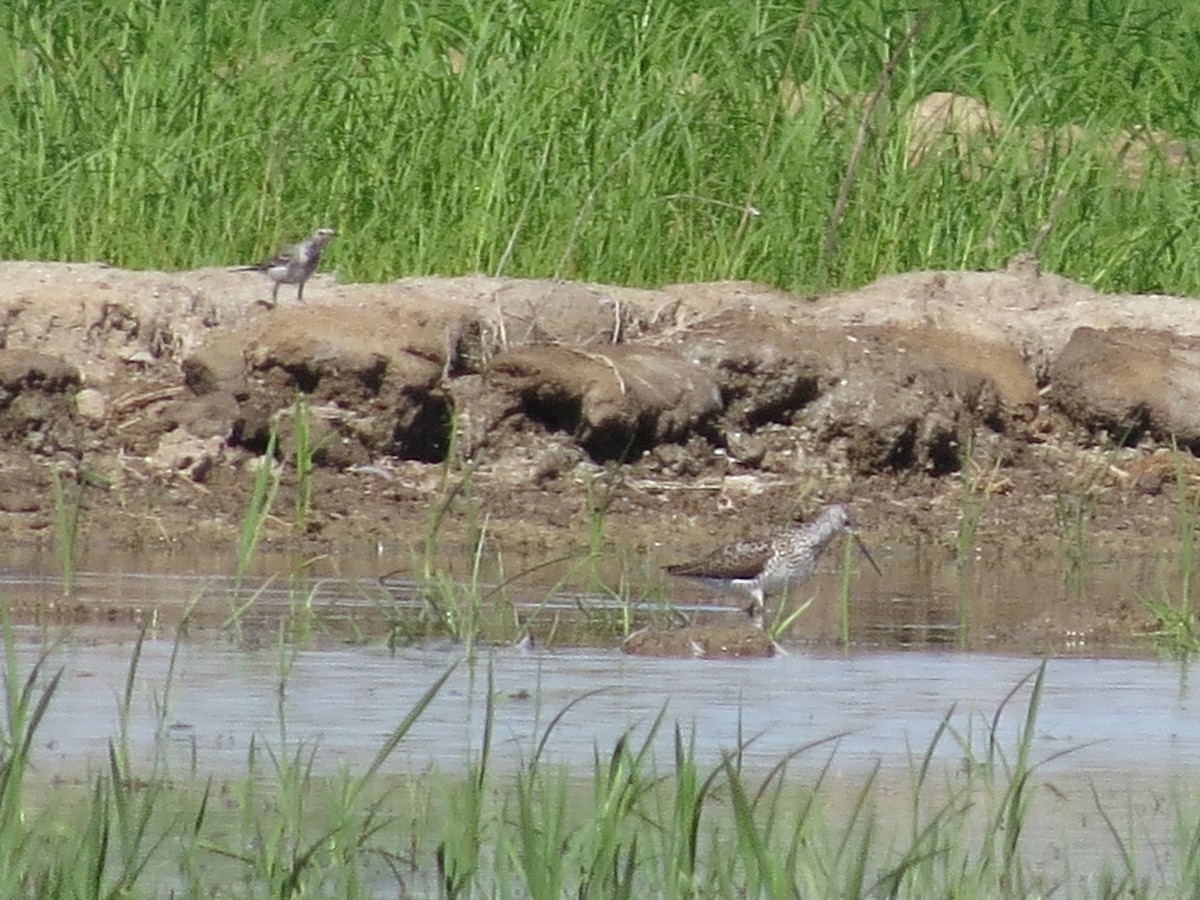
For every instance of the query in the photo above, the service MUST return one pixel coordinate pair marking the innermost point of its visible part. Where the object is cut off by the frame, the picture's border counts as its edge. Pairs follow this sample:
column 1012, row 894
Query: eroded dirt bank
column 691, row 414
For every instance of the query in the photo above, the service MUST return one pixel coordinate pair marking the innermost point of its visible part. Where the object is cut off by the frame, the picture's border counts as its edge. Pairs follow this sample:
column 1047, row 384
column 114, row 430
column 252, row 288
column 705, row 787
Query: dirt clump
column 1131, row 382
column 617, row 402
column 38, row 394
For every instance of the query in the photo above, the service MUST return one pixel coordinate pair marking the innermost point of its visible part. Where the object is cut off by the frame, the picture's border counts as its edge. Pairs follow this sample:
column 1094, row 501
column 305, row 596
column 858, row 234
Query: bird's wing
column 284, row 256
column 743, row 559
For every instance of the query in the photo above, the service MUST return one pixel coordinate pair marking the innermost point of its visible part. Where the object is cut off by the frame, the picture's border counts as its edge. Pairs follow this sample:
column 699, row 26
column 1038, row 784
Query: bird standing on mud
column 767, row 565
column 294, row 264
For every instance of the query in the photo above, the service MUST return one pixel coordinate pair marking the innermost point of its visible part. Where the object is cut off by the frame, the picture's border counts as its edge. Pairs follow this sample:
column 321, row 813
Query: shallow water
column 1119, row 715
column 1123, row 713
column 1128, row 729
column 1111, row 716
column 1121, row 733
column 1024, row 605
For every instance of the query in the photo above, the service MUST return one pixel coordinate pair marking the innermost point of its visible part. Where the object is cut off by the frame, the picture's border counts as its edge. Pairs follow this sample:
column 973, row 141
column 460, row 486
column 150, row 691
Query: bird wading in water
column 763, row 566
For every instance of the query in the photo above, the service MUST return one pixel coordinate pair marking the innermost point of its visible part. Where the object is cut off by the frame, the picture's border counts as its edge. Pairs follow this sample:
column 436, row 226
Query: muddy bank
column 678, row 417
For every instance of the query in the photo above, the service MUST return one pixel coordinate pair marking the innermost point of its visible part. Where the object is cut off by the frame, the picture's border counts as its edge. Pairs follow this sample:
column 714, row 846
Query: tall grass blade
column 258, row 507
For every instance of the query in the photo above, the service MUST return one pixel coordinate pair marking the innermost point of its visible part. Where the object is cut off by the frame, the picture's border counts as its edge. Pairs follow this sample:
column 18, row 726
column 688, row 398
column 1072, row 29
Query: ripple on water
column 1112, row 715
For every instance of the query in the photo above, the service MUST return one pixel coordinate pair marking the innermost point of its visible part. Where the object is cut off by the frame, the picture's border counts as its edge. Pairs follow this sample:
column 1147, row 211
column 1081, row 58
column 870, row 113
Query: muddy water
column 1035, row 604
column 1130, row 728
column 346, row 690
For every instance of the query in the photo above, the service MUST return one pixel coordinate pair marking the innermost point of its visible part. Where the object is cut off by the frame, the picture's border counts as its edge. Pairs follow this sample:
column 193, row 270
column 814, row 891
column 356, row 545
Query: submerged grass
column 1074, row 515
column 974, row 493
column 610, row 594
column 635, row 825
column 709, row 140
column 304, row 451
column 1177, row 630
column 67, row 510
column 258, row 508
column 460, row 609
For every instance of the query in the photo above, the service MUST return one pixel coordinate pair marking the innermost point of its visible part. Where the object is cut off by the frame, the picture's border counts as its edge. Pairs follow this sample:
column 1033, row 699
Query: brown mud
column 676, row 418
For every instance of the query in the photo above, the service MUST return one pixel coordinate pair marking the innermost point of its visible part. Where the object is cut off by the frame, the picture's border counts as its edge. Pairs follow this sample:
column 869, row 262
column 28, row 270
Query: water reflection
column 922, row 600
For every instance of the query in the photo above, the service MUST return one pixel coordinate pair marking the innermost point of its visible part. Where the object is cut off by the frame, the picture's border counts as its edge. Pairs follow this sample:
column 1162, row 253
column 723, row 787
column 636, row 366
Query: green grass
column 1073, row 516
column 632, row 824
column 258, row 508
column 973, row 496
column 464, row 590
column 1177, row 628
column 303, row 462
column 67, row 509
column 591, row 140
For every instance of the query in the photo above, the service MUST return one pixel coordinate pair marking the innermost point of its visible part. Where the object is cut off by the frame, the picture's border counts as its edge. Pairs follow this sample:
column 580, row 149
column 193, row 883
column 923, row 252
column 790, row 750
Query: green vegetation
column 303, row 460
column 1177, row 631
column 67, row 510
column 1074, row 514
column 626, row 593
column 258, row 507
column 595, row 140
column 785, row 615
column 458, row 608
column 973, row 496
column 636, row 825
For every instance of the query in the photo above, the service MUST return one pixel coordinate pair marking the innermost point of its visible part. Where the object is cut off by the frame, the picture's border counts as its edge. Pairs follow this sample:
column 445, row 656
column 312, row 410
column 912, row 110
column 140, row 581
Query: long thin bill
column 866, row 552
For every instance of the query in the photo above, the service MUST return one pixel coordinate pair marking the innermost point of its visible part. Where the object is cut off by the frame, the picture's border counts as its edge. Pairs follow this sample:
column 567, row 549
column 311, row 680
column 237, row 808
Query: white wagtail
column 294, row 264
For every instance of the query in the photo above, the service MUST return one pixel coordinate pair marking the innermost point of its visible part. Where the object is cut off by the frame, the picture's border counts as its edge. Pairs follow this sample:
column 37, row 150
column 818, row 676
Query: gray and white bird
column 763, row 566
column 294, row 264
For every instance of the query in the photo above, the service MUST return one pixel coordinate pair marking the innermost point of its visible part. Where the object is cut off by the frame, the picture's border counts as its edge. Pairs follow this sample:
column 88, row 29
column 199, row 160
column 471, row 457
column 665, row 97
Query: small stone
column 747, row 449
column 92, row 406
column 186, row 454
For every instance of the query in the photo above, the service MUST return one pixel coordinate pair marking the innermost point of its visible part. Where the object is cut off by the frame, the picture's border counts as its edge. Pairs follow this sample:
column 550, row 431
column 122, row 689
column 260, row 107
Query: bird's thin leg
column 757, row 609
column 681, row 616
column 275, row 294
column 300, row 293
column 866, row 553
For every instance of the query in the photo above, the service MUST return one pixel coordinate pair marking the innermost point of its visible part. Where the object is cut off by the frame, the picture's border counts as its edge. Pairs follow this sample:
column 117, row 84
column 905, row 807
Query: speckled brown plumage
column 766, row 565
